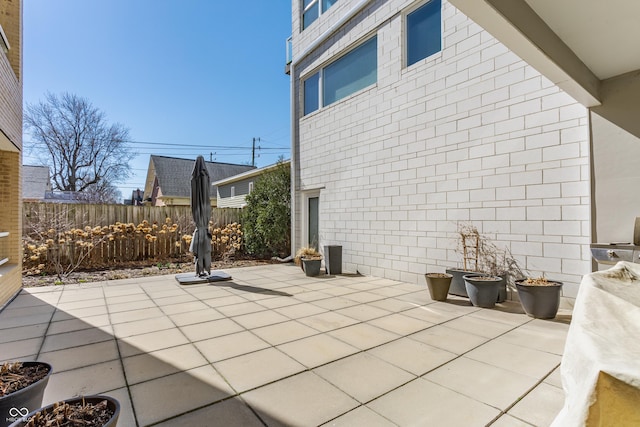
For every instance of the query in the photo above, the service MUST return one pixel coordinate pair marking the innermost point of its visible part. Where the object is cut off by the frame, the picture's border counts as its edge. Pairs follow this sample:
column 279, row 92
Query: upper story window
column 250, row 186
column 354, row 71
column 312, row 9
column 424, row 31
column 233, row 191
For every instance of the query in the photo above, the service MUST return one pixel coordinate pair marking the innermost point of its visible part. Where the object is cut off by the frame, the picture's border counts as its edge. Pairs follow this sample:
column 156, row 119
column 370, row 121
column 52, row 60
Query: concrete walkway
column 274, row 347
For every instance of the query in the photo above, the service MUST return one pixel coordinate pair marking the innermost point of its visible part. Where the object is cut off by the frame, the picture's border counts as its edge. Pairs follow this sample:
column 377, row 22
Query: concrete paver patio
column 274, row 347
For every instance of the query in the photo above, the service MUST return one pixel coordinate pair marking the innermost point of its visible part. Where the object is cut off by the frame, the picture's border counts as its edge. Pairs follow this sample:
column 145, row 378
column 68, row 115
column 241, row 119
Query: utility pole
column 253, row 151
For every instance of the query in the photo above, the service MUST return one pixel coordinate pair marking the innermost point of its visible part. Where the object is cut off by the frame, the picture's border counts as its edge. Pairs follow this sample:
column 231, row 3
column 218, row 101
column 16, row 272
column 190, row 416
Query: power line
column 181, row 145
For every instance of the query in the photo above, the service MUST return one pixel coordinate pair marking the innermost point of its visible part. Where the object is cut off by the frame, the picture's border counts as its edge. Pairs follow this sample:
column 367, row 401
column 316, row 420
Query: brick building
column 407, row 118
column 10, row 148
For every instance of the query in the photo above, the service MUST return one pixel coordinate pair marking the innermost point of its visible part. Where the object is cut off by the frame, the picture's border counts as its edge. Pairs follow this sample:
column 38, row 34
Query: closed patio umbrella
column 201, row 210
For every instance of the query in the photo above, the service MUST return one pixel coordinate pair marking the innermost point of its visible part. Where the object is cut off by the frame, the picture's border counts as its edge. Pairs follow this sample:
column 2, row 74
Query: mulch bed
column 132, row 271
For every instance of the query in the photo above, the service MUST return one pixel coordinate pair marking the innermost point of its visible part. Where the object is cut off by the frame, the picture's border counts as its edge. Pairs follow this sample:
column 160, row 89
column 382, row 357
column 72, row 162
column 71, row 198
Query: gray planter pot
column 483, row 290
column 541, row 302
column 457, row 282
column 458, row 287
column 112, row 404
column 311, row 267
column 16, row 405
column 438, row 284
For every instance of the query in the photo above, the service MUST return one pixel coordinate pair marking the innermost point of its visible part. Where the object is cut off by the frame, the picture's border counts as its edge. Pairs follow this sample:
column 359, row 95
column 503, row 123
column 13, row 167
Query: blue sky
column 194, row 72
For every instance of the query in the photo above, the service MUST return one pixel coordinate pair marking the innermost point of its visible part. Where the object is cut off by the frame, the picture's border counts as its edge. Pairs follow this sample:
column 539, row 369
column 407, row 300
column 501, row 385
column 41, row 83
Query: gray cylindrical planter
column 311, row 267
column 333, row 259
column 483, row 290
column 540, row 301
column 438, row 284
column 458, row 287
column 17, row 404
column 457, row 282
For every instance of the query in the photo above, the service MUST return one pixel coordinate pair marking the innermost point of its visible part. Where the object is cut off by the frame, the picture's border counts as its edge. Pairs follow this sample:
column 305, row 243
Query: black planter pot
column 540, row 301
column 311, row 267
column 112, row 404
column 458, row 287
column 18, row 404
column 483, row 290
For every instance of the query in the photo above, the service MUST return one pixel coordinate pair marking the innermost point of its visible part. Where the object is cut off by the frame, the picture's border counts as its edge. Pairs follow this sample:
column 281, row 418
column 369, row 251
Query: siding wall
column 241, row 190
column 469, row 134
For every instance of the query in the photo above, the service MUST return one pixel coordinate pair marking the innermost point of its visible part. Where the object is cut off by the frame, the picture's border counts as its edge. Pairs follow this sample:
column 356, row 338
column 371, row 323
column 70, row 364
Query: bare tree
column 86, row 154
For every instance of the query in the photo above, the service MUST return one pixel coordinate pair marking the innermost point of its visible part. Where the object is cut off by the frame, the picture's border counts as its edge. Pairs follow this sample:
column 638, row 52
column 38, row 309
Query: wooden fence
column 82, row 215
column 94, row 236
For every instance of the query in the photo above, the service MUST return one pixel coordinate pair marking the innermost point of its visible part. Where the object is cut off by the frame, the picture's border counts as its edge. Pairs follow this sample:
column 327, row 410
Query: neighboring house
column 408, row 118
column 35, row 183
column 10, row 149
column 137, row 198
column 168, row 180
column 232, row 191
column 65, row 197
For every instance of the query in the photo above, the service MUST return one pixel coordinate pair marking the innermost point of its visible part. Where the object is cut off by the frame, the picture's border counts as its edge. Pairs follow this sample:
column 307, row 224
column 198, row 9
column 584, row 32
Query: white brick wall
column 470, row 133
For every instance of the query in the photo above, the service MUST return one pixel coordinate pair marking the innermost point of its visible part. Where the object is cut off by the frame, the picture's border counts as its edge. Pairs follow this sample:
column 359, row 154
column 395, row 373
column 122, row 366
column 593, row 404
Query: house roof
column 174, row 175
column 248, row 174
column 35, row 182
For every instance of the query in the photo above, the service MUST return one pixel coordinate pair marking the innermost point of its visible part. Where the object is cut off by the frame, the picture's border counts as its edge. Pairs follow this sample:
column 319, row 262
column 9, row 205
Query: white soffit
column 605, row 35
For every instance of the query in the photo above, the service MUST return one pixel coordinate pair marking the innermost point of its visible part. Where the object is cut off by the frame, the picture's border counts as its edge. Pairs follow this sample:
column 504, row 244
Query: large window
column 354, row 71
column 424, row 29
column 311, row 9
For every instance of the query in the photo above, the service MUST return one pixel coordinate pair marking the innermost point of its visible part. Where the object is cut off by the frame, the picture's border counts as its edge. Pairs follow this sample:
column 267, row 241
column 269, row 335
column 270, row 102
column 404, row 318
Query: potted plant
column 306, row 252
column 22, row 386
column 540, row 298
column 481, row 256
column 90, row 411
column 311, row 265
column 483, row 289
column 438, row 284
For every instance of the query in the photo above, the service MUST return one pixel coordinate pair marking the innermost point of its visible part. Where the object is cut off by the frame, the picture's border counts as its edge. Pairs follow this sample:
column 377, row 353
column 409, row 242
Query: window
column 312, row 94
column 250, row 186
column 4, row 42
column 311, row 9
column 424, row 28
column 4, row 247
column 233, row 191
column 349, row 74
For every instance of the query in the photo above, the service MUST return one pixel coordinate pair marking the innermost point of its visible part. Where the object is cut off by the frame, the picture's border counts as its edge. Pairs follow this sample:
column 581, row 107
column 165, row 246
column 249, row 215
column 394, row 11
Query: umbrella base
column 193, row 279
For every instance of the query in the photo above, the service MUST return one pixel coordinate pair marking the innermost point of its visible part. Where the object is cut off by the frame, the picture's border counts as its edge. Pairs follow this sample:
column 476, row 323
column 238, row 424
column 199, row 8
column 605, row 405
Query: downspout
column 294, row 137
column 292, row 95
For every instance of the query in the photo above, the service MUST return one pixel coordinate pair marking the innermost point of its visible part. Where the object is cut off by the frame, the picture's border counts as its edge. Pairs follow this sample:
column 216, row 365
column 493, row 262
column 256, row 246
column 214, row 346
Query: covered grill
column 612, row 253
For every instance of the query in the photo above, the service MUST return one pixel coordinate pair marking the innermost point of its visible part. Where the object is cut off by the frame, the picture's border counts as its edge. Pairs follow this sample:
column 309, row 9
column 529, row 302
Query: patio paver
column 274, row 347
